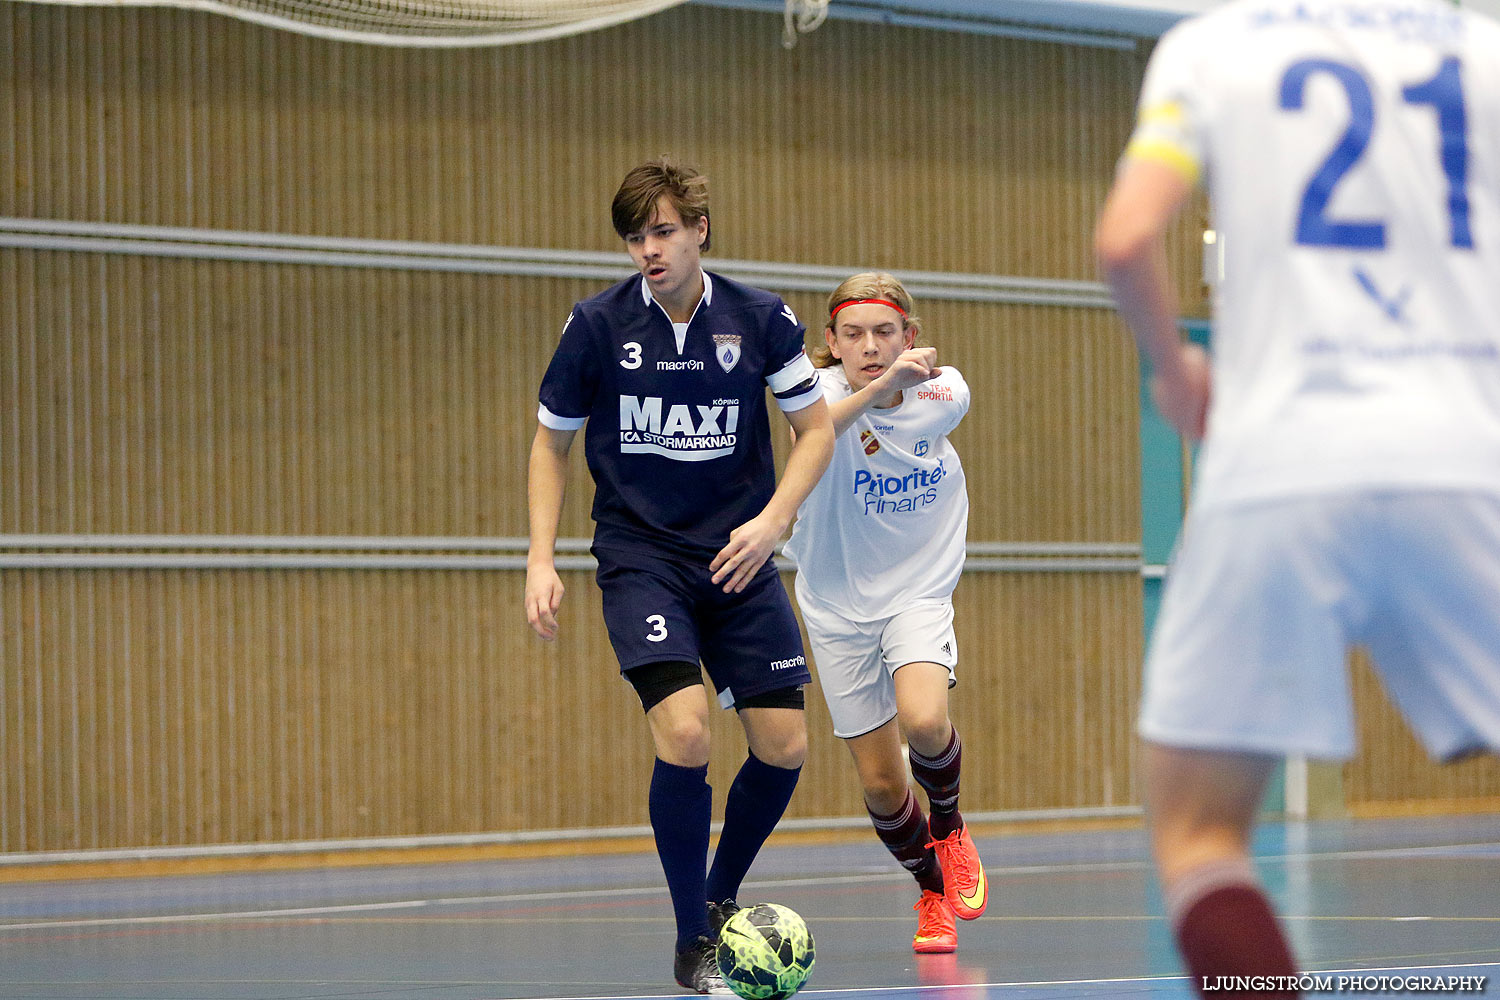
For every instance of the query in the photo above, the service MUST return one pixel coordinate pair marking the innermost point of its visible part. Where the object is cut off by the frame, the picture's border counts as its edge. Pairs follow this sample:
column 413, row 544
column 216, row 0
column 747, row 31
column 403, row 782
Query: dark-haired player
column 667, row 374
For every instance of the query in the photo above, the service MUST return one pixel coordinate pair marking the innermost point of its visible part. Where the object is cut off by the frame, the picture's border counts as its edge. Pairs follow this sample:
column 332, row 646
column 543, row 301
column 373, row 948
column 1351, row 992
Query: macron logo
column 796, row 661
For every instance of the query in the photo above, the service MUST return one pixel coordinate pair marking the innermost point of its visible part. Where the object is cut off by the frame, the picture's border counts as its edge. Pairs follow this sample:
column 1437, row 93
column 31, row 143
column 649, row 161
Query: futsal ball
column 765, row 952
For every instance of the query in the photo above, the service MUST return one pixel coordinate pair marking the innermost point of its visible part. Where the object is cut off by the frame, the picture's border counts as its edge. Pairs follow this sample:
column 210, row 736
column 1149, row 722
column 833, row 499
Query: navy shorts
column 661, row 609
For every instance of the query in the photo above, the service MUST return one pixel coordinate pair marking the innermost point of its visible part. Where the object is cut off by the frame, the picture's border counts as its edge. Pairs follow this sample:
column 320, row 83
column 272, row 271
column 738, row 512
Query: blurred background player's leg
column 1201, row 806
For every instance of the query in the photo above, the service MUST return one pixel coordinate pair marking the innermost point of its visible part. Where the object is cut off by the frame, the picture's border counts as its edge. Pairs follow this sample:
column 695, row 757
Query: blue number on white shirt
column 1313, row 228
column 1444, row 92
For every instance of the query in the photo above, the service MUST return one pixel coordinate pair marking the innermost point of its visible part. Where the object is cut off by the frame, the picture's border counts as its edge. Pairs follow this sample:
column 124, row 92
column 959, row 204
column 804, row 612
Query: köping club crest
column 727, row 350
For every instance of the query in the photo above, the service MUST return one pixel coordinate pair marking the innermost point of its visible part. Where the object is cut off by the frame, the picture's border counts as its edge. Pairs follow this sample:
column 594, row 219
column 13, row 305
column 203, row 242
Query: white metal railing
column 23, row 858
column 426, row 552
column 335, row 251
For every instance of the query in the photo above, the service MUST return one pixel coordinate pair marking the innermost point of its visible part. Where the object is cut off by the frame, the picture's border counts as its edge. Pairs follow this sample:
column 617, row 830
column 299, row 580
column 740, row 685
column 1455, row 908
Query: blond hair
column 867, row 285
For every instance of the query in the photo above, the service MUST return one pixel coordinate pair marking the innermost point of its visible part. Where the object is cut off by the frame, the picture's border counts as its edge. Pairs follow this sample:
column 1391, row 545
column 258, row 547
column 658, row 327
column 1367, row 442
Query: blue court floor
column 1071, row 915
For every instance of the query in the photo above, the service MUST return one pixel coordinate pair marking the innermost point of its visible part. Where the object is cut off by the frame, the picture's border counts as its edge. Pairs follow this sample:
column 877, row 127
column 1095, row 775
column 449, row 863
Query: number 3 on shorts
column 658, row 625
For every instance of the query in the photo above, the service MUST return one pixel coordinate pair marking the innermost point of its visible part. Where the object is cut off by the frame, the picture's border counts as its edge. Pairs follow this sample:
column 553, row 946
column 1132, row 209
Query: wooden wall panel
column 283, row 399
column 866, row 144
column 1393, row 774
column 215, row 397
column 1050, row 445
column 172, row 708
column 1048, row 689
column 149, row 707
column 185, row 707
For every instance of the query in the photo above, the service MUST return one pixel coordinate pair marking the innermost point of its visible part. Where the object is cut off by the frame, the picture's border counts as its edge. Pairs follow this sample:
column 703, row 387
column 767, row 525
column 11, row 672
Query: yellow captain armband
column 1159, row 151
column 1164, row 134
column 1163, row 113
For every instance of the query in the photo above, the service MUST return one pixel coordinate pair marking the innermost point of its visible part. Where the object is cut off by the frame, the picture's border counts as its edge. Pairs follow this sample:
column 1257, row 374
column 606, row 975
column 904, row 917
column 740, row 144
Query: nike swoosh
column 975, row 901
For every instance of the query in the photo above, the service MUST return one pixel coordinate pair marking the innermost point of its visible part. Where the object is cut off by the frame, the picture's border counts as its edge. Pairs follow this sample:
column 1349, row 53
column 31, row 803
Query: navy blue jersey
column 677, row 436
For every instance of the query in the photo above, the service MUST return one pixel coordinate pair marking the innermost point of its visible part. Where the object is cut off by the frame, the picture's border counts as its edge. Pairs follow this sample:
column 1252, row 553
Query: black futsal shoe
column 697, row 968
column 719, row 914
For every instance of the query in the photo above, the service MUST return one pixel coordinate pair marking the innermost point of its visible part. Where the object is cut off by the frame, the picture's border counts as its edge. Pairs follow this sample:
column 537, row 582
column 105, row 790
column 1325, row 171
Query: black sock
column 681, row 803
column 756, row 800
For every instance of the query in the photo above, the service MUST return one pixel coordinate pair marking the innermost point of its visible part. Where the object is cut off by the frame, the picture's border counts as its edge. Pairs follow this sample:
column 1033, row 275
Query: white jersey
column 1352, row 154
column 887, row 525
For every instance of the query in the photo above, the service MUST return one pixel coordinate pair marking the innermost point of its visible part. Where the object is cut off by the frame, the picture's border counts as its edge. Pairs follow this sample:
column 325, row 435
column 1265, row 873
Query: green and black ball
column 765, row 952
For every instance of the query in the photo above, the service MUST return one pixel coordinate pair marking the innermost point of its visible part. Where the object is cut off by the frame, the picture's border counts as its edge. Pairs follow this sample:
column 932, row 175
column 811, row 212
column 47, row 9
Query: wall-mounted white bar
column 1294, row 788
column 391, row 561
column 331, row 251
column 18, row 859
column 421, row 552
column 284, row 543
column 272, row 560
column 1125, row 549
column 989, row 565
column 430, row 543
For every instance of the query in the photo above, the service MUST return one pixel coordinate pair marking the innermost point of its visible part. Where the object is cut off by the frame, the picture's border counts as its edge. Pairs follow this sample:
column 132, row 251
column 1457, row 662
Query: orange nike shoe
column 936, row 932
column 963, row 876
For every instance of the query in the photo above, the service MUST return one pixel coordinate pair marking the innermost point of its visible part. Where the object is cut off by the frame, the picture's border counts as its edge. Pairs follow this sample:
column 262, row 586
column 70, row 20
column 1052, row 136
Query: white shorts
column 854, row 661
column 1263, row 601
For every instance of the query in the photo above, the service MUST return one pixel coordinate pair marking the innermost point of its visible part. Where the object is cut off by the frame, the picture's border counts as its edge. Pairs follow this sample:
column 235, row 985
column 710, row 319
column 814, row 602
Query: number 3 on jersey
column 658, row 625
column 1444, row 93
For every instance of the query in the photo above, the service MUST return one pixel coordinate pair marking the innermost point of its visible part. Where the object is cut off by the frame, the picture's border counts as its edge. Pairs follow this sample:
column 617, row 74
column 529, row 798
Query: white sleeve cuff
column 795, row 372
column 552, row 420
column 794, row 403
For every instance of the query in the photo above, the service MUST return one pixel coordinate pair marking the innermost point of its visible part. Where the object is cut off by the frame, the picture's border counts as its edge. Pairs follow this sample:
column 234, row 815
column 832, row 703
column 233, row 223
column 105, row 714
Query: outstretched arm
column 1131, row 245
column 546, row 483
column 912, row 368
column 752, row 543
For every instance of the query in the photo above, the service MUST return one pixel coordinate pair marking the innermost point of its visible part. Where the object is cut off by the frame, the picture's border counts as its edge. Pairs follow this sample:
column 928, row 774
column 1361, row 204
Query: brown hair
column 636, row 199
column 866, row 285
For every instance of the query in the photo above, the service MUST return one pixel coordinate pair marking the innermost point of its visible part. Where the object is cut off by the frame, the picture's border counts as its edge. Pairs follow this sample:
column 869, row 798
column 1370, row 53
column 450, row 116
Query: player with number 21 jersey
column 1353, row 192
column 1348, row 487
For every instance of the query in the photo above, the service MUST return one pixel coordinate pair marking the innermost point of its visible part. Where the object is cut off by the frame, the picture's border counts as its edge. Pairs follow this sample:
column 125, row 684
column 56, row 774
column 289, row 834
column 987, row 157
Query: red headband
column 865, row 302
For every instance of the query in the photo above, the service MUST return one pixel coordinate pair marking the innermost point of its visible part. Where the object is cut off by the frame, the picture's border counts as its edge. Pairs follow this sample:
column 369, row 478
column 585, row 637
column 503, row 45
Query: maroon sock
column 1229, row 936
column 938, row 777
column 904, row 834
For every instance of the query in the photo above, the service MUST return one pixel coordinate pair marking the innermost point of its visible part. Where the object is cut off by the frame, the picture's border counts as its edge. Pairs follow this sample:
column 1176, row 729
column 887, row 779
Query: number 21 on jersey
column 1443, row 93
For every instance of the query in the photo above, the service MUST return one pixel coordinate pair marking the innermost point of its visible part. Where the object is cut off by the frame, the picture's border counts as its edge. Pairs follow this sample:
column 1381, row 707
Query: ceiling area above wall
column 1079, row 21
